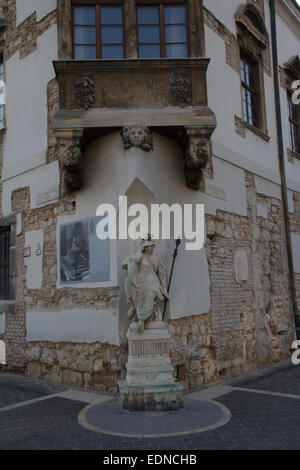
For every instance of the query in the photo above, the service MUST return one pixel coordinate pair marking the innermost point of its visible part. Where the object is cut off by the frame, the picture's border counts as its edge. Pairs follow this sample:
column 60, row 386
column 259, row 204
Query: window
column 4, row 262
column 98, row 32
column 162, row 31
column 293, row 125
column 249, row 91
column 2, row 96
column 254, row 45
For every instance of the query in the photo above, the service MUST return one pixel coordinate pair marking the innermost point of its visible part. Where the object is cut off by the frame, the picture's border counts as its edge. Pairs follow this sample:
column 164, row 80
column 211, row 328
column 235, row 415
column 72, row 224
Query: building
column 164, row 102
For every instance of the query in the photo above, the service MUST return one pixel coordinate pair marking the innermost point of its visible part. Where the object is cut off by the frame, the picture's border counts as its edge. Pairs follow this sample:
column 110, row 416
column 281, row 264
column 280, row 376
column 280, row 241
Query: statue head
column 148, row 245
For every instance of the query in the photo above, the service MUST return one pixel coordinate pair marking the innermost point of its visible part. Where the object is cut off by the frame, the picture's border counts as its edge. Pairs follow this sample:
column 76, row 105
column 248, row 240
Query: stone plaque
column 84, row 257
column 241, row 266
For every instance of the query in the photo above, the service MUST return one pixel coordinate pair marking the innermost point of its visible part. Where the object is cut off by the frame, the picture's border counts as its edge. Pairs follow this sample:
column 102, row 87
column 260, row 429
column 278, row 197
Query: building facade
column 165, row 102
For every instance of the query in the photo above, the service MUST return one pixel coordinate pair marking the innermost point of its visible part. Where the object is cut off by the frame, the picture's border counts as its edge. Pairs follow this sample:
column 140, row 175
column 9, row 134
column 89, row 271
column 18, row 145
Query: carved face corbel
column 137, row 136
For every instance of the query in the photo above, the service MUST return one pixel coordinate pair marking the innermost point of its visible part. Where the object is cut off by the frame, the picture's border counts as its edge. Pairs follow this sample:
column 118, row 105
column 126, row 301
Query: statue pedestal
column 149, row 381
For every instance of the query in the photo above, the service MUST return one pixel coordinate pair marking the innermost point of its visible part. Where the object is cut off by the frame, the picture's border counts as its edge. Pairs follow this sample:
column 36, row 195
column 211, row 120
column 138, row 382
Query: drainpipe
column 292, row 284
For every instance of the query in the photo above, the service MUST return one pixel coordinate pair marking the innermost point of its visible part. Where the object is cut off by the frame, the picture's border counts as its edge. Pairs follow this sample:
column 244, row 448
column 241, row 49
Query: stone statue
column 137, row 136
column 145, row 285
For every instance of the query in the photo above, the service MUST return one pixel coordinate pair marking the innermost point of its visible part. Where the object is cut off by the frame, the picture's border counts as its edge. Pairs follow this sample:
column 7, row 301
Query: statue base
column 150, row 383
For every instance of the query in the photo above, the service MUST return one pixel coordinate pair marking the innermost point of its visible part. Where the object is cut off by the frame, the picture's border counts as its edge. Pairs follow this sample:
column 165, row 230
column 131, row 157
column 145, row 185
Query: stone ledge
column 8, row 306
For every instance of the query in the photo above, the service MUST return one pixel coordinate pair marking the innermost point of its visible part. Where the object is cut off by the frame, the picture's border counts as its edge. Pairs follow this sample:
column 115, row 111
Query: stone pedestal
column 149, row 381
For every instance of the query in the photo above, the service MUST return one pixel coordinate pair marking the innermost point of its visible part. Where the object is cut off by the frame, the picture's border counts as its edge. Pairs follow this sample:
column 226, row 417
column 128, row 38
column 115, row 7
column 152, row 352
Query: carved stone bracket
column 194, row 142
column 70, row 157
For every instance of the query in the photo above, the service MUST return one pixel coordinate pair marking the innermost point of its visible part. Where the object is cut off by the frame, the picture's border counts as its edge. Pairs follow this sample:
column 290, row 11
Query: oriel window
column 162, row 31
column 249, row 91
column 98, row 32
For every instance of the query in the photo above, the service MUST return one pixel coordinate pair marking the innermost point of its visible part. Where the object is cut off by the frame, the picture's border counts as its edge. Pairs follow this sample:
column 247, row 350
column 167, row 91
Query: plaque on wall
column 84, row 257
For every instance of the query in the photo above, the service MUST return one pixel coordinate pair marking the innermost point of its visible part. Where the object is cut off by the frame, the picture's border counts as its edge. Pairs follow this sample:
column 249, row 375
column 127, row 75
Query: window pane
column 149, row 34
column 174, row 14
column 176, row 50
column 148, row 15
column 112, row 52
column 112, row 34
column 111, row 15
column 84, row 15
column 1, row 113
column 85, row 52
column 85, row 35
column 242, row 71
column 175, row 34
column 149, row 52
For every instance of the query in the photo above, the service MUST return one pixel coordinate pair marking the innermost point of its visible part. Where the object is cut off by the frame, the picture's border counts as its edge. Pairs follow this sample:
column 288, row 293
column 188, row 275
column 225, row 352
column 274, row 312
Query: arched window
column 253, row 39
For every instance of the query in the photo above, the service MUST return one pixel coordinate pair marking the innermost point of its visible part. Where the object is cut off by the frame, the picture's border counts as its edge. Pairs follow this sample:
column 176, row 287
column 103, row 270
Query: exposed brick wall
column 231, row 46
column 24, row 37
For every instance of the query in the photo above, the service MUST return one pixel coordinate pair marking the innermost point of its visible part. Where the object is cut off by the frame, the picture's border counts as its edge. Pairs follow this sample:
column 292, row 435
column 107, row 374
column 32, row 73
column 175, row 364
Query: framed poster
column 83, row 257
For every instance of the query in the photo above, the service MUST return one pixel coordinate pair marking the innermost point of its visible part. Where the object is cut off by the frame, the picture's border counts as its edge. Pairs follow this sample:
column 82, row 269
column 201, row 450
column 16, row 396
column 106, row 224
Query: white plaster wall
column 296, row 252
column 224, row 11
column 162, row 172
column 25, row 8
column 43, row 182
column 288, row 46
column 34, row 274
column 78, row 326
column 25, row 140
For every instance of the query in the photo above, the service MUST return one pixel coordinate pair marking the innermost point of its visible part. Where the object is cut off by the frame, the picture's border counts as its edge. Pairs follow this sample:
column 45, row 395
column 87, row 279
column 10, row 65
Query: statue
column 145, row 285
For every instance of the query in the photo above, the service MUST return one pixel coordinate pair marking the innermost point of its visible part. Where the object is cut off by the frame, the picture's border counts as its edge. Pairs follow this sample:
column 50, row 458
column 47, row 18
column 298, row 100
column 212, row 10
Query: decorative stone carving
column 71, row 163
column 137, row 136
column 181, row 86
column 194, row 142
column 150, row 383
column 85, row 92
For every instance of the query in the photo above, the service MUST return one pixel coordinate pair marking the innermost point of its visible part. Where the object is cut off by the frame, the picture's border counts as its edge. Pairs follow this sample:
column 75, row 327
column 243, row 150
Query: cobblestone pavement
column 264, row 406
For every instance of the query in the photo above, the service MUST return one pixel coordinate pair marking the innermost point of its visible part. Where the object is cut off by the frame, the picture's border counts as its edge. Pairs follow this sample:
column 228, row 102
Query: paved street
column 262, row 411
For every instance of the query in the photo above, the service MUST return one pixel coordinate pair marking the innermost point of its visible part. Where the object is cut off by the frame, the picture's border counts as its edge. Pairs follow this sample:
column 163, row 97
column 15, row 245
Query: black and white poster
column 83, row 257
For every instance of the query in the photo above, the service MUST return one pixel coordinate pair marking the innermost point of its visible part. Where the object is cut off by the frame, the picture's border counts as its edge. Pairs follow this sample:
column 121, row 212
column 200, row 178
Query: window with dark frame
column 250, row 94
column 98, row 31
column 293, row 125
column 162, row 30
column 4, row 262
column 2, row 96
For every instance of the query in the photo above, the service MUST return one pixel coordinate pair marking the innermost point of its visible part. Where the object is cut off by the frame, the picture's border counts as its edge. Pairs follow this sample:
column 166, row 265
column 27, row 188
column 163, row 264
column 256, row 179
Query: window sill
column 292, row 155
column 8, row 306
column 257, row 131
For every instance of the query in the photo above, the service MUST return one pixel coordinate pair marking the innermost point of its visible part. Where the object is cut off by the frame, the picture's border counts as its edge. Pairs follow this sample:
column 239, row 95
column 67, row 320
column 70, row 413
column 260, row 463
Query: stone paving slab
column 196, row 416
column 18, row 388
column 281, row 380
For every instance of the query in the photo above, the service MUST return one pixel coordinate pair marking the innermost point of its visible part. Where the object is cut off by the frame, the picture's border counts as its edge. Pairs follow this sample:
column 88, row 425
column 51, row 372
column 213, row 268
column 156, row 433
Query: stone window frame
column 253, row 39
column 292, row 73
column 9, row 305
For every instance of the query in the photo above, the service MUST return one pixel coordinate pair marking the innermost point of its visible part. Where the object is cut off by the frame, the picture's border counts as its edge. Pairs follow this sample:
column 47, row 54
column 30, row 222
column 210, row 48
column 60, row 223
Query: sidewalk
column 260, row 410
